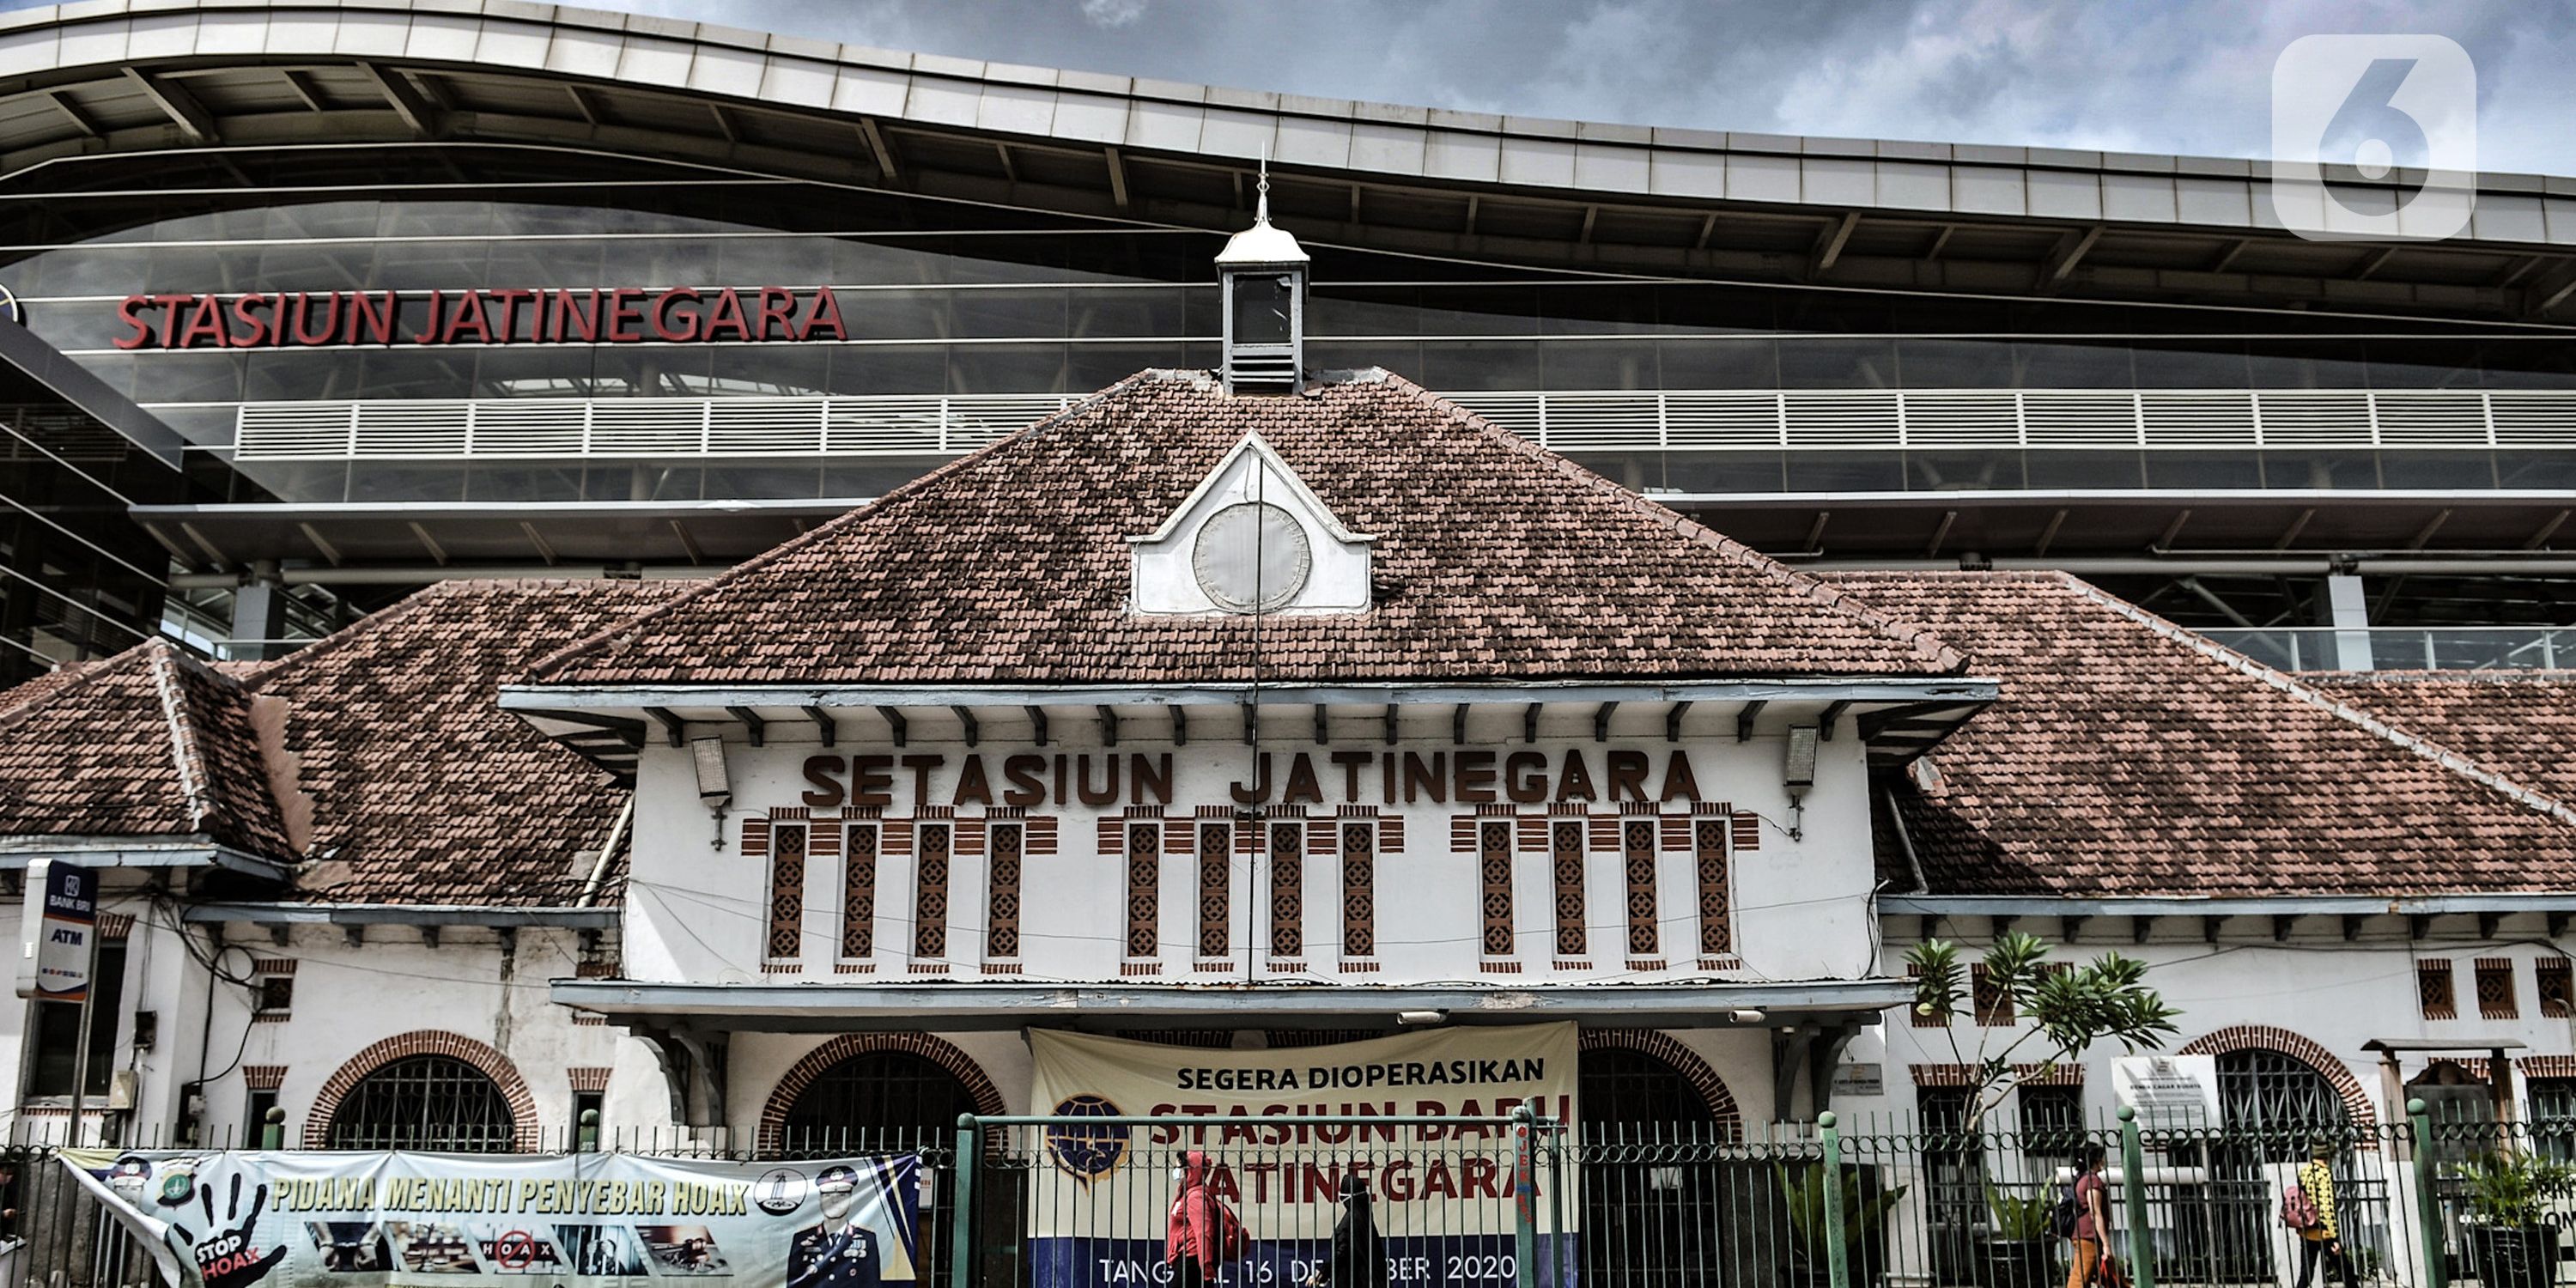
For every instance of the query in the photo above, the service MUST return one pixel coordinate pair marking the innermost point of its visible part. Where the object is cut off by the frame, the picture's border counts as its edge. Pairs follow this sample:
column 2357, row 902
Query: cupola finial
column 1262, row 272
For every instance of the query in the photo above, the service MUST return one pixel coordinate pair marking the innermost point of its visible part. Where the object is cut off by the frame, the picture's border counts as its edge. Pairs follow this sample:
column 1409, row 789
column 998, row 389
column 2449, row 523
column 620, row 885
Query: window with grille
column 2052, row 1121
column 276, row 995
column 2275, row 1105
column 786, row 892
column 431, row 1102
column 1002, row 901
column 1494, row 871
column 1565, row 856
column 1954, row 1168
column 2553, row 1116
column 1994, row 1002
column 53, row 1050
column 1716, row 911
column 1144, row 890
column 881, row 1100
column 594, row 1103
column 2557, row 987
column 1216, row 890
column 930, row 894
column 2433, row 989
column 1619, row 1086
column 2495, row 989
column 1359, row 888
column 1287, row 891
column 255, row 1117
column 1637, row 854
column 859, row 894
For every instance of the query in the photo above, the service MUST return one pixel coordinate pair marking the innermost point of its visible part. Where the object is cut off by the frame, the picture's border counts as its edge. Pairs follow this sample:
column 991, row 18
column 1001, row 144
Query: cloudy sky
column 2187, row 76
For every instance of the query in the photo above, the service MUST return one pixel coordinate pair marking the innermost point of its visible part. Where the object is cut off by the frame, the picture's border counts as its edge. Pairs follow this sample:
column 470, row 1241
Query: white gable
column 1250, row 535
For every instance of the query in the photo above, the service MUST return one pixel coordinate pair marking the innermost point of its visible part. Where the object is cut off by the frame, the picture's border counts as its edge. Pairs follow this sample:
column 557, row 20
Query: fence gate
column 1089, row 1201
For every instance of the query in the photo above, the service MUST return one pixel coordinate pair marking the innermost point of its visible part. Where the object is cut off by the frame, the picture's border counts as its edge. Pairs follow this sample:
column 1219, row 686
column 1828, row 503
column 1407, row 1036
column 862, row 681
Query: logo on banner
column 1087, row 1151
column 225, row 1255
column 54, row 931
column 779, row 1191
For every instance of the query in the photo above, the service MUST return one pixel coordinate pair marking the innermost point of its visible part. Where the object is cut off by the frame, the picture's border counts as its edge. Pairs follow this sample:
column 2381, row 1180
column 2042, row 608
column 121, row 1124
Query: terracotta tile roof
column 424, row 790
column 1496, row 559
column 150, row 743
column 2128, row 757
column 2519, row 723
column 30, row 690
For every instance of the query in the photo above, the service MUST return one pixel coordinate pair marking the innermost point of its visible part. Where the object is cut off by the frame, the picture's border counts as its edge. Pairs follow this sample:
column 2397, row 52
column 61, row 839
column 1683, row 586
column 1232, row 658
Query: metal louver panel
column 2184, row 418
column 1604, row 421
column 2315, row 418
column 531, row 428
column 1821, row 418
column 2529, row 419
column 1722, row 418
column 1693, row 420
column 2431, row 419
column 1962, row 418
column 2077, row 418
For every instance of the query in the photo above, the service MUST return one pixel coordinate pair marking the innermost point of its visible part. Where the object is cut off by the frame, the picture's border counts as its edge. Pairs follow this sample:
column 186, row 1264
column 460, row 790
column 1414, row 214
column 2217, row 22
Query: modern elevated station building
column 327, row 301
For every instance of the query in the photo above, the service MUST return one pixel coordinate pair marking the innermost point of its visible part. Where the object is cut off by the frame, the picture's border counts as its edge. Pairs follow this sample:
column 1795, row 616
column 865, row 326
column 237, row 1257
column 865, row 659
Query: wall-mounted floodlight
column 1798, row 775
column 1415, row 1019
column 715, row 781
column 1798, row 772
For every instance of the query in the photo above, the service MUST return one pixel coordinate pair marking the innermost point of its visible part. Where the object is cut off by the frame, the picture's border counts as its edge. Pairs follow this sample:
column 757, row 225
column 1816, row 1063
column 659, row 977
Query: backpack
column 2298, row 1211
column 2062, row 1214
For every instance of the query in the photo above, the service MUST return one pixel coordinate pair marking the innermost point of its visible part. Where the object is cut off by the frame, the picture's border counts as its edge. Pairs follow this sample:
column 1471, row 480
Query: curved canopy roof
column 175, row 78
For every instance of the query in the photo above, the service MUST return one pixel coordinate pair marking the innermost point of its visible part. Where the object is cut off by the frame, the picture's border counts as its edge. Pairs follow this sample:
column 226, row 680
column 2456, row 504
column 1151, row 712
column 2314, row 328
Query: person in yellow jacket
column 2324, row 1239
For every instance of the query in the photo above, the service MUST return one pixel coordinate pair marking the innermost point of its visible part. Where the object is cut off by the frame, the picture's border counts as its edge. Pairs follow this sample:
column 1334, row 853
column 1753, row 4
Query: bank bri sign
column 478, row 316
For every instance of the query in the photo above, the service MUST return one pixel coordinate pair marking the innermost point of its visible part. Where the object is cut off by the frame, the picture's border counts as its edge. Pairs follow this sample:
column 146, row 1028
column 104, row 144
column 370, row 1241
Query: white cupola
column 1251, row 538
column 1262, row 272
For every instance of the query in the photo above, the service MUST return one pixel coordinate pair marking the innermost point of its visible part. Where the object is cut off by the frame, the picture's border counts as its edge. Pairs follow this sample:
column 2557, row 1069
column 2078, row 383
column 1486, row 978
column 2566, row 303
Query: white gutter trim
column 538, row 698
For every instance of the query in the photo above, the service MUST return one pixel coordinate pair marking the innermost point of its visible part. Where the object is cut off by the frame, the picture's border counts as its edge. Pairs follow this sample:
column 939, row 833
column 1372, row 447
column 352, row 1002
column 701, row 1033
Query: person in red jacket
column 1203, row 1234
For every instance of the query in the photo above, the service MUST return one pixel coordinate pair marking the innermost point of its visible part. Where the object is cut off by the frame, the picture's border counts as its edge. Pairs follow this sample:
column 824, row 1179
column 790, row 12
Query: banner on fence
column 289, row 1219
column 1441, row 1196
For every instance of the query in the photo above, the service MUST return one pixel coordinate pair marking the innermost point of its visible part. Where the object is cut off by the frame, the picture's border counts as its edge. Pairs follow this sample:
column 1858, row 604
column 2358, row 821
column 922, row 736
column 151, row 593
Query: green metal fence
column 1073, row 1201
column 1867, row 1201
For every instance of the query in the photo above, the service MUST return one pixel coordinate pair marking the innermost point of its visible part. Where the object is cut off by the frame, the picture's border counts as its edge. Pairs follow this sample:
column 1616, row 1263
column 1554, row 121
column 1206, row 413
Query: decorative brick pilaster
column 263, row 1077
column 588, row 1077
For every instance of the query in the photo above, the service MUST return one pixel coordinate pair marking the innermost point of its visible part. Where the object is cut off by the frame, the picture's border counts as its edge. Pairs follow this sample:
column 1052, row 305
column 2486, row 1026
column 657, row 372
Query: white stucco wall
column 698, row 913
column 2335, row 993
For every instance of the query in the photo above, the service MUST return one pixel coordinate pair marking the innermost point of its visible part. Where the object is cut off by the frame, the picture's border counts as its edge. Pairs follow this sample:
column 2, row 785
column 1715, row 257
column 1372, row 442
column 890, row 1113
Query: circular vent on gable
column 1251, row 557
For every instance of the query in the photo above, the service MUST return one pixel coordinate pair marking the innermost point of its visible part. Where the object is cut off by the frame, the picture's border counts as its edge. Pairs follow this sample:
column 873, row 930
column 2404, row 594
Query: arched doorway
column 1626, row 1089
column 1659, row 1122
column 843, row 1094
column 424, row 1102
column 876, row 1100
column 2275, row 1106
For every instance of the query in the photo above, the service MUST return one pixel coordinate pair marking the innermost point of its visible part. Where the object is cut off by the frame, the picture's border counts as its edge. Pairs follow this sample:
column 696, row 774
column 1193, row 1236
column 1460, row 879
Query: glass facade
column 948, row 300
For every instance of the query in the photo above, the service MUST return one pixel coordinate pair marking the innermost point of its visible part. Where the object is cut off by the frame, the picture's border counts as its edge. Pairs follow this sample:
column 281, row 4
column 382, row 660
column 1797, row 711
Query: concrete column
column 2351, row 622
column 259, row 612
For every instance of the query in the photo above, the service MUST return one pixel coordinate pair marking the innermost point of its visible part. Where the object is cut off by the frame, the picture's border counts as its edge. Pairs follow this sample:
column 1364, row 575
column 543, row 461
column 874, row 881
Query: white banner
column 292, row 1219
column 1441, row 1196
